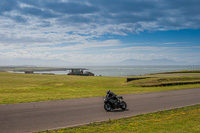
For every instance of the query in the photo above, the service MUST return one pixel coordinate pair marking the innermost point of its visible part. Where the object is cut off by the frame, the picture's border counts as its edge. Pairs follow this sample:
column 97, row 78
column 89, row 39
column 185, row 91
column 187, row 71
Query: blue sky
column 99, row 31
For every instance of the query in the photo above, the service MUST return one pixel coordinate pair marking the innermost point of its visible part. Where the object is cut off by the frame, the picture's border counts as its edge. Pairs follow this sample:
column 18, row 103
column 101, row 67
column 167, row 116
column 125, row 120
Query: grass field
column 182, row 120
column 167, row 81
column 180, row 72
column 17, row 88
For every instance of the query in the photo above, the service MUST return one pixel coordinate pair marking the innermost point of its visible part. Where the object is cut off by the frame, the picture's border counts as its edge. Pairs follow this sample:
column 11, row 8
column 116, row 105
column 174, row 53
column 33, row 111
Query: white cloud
column 138, row 49
column 73, row 30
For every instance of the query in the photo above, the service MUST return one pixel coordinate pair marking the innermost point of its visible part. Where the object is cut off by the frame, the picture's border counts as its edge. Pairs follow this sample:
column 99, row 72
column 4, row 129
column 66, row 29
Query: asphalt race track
column 41, row 116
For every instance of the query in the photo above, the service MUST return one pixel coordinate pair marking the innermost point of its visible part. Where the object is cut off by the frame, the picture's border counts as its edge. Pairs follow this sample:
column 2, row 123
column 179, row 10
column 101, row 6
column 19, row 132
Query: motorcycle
column 110, row 104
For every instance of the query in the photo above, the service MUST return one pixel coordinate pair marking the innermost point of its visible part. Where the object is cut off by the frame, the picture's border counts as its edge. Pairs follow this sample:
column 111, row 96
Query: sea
column 122, row 71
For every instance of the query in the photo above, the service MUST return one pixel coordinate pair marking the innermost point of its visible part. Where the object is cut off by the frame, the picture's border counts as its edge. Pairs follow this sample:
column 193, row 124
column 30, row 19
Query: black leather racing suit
column 113, row 97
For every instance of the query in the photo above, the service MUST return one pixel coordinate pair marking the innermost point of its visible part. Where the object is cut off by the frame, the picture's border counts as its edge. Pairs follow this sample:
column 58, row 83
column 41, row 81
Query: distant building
column 28, row 72
column 89, row 73
column 80, row 71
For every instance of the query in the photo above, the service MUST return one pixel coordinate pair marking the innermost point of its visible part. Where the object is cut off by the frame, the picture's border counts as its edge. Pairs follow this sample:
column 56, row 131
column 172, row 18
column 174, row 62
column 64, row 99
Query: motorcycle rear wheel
column 107, row 107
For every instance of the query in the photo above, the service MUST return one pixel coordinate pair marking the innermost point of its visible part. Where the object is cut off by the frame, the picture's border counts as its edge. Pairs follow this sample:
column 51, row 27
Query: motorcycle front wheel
column 123, row 105
column 107, row 107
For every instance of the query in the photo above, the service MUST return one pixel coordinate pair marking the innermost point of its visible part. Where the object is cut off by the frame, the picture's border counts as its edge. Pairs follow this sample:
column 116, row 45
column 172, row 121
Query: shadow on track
column 119, row 110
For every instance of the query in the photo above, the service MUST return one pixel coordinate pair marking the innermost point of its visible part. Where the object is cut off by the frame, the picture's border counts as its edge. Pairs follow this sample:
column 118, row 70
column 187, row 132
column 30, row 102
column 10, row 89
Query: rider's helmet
column 108, row 92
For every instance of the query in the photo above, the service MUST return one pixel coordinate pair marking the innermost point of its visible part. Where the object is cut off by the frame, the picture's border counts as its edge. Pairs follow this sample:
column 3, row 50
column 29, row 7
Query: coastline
column 108, row 71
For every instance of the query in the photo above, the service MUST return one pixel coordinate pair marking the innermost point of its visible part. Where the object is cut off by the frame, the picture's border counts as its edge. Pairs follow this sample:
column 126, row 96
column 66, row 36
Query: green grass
column 167, row 80
column 180, row 72
column 180, row 120
column 18, row 88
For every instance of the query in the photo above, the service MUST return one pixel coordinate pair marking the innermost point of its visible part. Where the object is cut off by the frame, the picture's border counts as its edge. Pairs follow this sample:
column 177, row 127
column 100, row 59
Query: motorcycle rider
column 112, row 96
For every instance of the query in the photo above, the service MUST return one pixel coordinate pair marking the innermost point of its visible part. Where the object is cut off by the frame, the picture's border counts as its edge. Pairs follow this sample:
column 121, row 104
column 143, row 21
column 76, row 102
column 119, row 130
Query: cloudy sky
column 100, row 31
